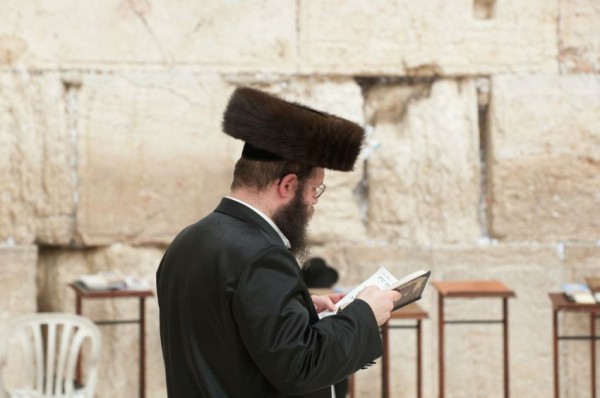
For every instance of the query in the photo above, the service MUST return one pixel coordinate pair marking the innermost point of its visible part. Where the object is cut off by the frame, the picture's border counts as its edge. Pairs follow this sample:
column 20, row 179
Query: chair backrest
column 51, row 344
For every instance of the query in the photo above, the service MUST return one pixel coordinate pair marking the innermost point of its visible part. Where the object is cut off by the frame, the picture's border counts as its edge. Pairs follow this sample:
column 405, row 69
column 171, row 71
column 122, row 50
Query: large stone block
column 544, row 158
column 579, row 36
column 18, row 266
column 152, row 157
column 120, row 350
column 212, row 35
column 416, row 38
column 339, row 212
column 582, row 261
column 36, row 156
column 18, row 274
column 423, row 179
column 474, row 352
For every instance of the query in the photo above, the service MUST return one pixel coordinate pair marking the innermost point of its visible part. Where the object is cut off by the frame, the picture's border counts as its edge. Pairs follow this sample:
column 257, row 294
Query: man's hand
column 323, row 303
column 380, row 301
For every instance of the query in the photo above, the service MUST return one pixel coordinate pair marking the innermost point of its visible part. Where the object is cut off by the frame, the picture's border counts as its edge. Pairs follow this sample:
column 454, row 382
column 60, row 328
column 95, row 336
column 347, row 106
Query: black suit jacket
column 236, row 319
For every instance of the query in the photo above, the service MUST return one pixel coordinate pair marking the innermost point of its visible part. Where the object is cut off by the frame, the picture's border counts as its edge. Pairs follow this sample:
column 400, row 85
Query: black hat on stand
column 317, row 274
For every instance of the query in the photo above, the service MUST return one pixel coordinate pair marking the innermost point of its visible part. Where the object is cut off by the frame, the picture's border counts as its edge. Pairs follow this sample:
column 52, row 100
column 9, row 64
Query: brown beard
column 292, row 219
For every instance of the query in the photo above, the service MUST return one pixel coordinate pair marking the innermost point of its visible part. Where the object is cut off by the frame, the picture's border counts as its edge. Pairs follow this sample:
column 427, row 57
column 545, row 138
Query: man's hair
column 259, row 174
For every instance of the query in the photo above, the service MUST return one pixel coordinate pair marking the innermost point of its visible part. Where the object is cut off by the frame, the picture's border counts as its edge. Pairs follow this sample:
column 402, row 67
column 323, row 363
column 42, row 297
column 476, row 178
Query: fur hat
column 274, row 129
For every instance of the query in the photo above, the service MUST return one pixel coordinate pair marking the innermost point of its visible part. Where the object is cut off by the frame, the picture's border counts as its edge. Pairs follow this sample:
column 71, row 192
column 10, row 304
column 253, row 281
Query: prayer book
column 111, row 281
column 411, row 287
column 578, row 292
column 102, row 281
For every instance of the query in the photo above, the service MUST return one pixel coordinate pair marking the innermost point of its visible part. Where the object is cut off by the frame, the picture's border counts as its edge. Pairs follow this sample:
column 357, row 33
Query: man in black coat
column 236, row 318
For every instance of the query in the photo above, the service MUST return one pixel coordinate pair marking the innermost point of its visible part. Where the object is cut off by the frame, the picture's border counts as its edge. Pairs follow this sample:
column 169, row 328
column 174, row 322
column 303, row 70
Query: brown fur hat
column 274, row 129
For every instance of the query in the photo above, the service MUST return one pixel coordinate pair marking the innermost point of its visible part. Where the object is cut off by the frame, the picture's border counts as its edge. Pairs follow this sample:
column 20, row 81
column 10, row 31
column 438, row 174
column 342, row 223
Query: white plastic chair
column 51, row 344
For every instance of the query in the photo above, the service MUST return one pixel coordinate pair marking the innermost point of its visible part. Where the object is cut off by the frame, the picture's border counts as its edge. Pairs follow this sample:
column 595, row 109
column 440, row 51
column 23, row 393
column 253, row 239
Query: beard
column 292, row 220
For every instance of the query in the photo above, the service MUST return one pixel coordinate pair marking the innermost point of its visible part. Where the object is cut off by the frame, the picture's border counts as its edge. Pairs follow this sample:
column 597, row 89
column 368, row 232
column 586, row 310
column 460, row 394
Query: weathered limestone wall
column 483, row 158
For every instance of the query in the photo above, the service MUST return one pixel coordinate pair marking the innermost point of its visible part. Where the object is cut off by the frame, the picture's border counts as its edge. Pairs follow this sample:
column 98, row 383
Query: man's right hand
column 380, row 301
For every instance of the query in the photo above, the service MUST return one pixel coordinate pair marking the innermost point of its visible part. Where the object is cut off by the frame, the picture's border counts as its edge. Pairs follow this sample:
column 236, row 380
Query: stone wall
column 483, row 158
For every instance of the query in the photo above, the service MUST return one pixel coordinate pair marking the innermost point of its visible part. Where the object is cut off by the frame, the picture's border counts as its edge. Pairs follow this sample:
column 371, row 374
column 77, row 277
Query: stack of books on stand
column 111, row 281
column 583, row 293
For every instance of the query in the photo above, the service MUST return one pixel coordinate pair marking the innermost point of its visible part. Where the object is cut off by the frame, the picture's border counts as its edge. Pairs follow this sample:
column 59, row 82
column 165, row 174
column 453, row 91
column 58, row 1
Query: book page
column 578, row 292
column 382, row 279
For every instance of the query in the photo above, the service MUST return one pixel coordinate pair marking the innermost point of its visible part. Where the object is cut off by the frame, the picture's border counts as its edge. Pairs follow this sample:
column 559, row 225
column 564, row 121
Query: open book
column 411, row 287
column 111, row 281
column 578, row 292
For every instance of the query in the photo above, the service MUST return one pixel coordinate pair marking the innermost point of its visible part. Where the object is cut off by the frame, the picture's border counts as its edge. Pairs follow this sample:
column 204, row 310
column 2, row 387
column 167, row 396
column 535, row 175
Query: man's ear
column 287, row 186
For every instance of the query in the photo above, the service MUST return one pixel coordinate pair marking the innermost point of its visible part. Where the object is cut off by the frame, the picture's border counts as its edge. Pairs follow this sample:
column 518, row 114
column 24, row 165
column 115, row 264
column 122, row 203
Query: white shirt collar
column 285, row 240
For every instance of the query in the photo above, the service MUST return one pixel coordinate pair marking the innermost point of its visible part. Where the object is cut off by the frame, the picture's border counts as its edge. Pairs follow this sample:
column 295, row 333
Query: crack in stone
column 483, row 101
column 361, row 193
column 71, row 88
column 298, row 30
column 166, row 55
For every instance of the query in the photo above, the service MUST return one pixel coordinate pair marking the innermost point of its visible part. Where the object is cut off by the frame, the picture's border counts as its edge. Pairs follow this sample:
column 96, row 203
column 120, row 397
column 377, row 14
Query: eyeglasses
column 319, row 190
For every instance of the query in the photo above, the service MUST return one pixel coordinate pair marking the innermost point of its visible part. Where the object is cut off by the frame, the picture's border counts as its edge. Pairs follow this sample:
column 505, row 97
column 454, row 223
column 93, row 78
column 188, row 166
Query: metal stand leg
column 78, row 369
column 385, row 365
column 419, row 363
column 593, row 349
column 441, row 344
column 142, row 350
column 505, row 332
column 555, row 340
